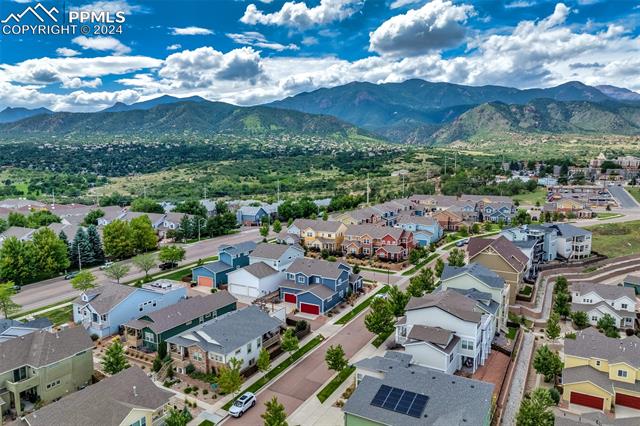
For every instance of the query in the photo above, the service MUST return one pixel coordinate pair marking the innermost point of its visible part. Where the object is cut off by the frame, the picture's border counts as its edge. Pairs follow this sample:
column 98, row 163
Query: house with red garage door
column 230, row 258
column 601, row 372
column 316, row 286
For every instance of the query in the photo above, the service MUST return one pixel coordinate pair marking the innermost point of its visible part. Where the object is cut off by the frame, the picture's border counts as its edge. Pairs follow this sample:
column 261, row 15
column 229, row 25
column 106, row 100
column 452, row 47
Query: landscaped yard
column 359, row 308
column 616, row 239
column 334, row 384
column 59, row 316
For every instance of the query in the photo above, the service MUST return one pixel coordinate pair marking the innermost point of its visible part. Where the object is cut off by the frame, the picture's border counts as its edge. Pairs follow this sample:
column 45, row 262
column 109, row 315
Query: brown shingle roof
column 449, row 301
column 509, row 251
column 436, row 335
column 373, row 231
column 271, row 251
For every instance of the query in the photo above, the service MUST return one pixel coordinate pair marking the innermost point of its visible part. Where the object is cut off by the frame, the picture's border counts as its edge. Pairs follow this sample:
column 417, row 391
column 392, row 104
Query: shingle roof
column 476, row 270
column 42, row 348
column 17, row 231
column 318, row 267
column 183, row 311
column 406, row 217
column 318, row 225
column 215, row 267
column 260, row 270
column 568, row 230
column 272, row 251
column 243, row 247
column 374, row 231
column 228, row 332
column 504, row 247
column 449, row 301
column 632, row 279
column 107, row 403
column 606, row 291
column 106, row 296
column 591, row 343
column 319, row 290
column 436, row 335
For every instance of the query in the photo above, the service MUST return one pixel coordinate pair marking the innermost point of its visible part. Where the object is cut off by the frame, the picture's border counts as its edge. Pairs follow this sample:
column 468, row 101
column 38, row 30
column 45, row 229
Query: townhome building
column 384, row 242
column 450, row 219
column 573, row 242
column 601, row 372
column 433, row 203
column 315, row 286
column 43, row 366
column 154, row 328
column 319, row 234
column 545, row 238
column 569, row 207
column 598, row 300
column 128, row 398
column 392, row 390
column 239, row 334
column 447, row 331
column 425, row 229
column 105, row 309
column 230, row 258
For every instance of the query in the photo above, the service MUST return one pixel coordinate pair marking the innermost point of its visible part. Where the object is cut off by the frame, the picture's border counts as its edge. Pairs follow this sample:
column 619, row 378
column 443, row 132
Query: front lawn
column 360, row 307
column 381, row 338
column 334, row 384
column 417, row 267
column 59, row 316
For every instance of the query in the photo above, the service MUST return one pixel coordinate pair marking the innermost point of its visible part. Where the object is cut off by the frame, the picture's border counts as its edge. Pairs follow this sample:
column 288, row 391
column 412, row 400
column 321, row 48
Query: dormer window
column 85, row 298
column 301, row 279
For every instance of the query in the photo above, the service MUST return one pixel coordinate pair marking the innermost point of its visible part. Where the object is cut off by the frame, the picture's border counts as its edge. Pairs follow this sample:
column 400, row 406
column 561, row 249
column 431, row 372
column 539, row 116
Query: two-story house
column 477, row 279
column 315, row 286
column 43, row 366
column 319, row 234
column 384, row 242
column 450, row 219
column 154, row 328
column 252, row 215
column 230, row 257
column 425, row 229
column 597, row 300
column 103, row 310
column 573, row 242
column 545, row 241
column 128, row 398
column 601, row 372
column 238, row 334
column 278, row 256
column 446, row 330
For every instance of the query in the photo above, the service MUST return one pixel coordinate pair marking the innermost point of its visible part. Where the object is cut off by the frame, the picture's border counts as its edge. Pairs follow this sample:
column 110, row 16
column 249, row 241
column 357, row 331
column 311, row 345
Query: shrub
column 94, row 337
column 301, row 325
column 205, row 391
column 187, row 390
column 570, row 336
column 213, row 290
column 189, row 369
column 555, row 395
column 629, row 332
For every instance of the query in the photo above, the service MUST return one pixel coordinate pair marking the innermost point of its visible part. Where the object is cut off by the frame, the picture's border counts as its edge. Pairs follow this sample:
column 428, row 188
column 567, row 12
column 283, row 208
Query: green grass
column 530, row 198
column 334, row 384
column 382, row 271
column 206, row 423
column 271, row 374
column 616, row 239
column 380, row 339
column 635, row 193
column 603, row 216
column 420, row 264
column 178, row 273
column 360, row 307
column 512, row 333
column 32, row 311
column 59, row 316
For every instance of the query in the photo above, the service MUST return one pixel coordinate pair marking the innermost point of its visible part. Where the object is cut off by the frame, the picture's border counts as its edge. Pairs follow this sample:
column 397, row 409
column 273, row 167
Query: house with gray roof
column 43, row 366
column 278, row 256
column 572, row 242
column 127, row 398
column 230, row 257
column 10, row 329
column 598, row 300
column 239, row 334
column 105, row 309
column 391, row 390
column 19, row 232
column 154, row 328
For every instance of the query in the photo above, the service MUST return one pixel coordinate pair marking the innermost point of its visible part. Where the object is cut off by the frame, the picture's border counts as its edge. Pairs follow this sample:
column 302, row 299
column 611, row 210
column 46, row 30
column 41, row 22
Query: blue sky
column 251, row 52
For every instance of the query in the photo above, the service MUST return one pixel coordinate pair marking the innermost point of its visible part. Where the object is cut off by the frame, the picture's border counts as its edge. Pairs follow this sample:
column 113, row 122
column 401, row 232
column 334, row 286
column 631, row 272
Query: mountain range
column 414, row 111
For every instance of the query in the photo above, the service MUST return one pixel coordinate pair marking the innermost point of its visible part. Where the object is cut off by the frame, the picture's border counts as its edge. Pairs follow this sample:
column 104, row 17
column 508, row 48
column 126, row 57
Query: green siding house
column 154, row 328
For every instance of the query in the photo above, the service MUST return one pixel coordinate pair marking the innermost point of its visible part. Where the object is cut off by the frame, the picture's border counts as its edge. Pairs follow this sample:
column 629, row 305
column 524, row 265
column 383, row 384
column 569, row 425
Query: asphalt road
column 55, row 290
column 625, row 199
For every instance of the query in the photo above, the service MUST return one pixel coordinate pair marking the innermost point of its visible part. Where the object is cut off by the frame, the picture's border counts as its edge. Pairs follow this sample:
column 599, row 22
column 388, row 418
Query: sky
column 249, row 52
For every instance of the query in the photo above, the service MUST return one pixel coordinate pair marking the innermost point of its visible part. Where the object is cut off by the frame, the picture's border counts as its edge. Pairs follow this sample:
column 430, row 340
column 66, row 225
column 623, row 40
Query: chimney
column 135, row 393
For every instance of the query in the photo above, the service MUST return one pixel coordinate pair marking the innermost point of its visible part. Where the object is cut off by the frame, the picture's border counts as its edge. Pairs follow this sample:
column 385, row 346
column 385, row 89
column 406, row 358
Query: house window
column 249, row 348
column 597, row 363
column 467, row 344
column 624, row 306
column 301, row 279
column 141, row 422
column 451, row 358
column 197, row 356
column 622, row 373
column 594, row 318
column 238, row 352
column 149, row 337
column 103, row 317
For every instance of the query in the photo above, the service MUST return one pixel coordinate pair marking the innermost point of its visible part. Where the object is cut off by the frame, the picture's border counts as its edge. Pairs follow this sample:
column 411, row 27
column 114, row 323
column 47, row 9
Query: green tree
column 7, row 306
column 380, row 319
column 118, row 240
column 421, row 283
column 178, row 417
column 96, row 245
column 415, row 256
column 264, row 360
column 84, row 281
column 264, row 230
column 229, row 377
column 172, row 254
column 439, row 267
column 534, row 409
column 92, row 217
column 63, row 237
column 144, row 262
column 114, row 360
column 274, row 414
column 192, row 207
column 335, row 358
column 117, row 271
column 49, row 251
column 277, row 226
column 289, row 341
column 16, row 261
column 463, row 231
column 608, row 325
column 580, row 319
column 562, row 305
column 561, row 285
column 143, row 235
column 146, row 205
column 475, row 228
column 397, row 300
column 325, row 215
column 456, row 257
column 553, row 326
column 547, row 363
column 81, row 251
column 17, row 219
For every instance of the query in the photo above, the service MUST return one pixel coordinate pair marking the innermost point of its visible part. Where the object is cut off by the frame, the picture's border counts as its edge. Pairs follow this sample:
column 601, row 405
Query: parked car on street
column 71, row 275
column 242, row 404
column 105, row 265
column 167, row 265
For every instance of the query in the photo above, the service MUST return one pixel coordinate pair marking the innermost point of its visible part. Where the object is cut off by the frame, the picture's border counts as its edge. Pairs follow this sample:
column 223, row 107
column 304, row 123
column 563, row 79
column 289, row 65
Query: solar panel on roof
column 392, row 399
column 381, row 396
column 400, row 401
column 417, row 408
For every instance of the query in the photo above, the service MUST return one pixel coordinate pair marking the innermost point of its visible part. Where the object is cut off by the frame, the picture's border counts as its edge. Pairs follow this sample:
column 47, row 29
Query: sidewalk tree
column 229, row 377
column 264, row 230
column 274, row 414
column 553, row 326
column 456, row 257
column 178, row 417
column 422, row 283
column 289, row 342
column 562, row 305
column 264, row 360
column 561, row 285
column 49, row 251
column 580, row 319
column 96, row 245
column 117, row 271
column 7, row 306
column 397, row 300
column 547, row 363
column 84, row 281
column 534, row 410
column 16, row 261
column 335, row 358
column 145, row 262
column 277, row 226
column 172, row 254
column 114, row 360
column 439, row 268
column 380, row 319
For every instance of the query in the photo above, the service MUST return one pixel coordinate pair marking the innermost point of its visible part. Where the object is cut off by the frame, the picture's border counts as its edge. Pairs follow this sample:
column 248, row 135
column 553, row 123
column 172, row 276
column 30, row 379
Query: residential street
column 58, row 289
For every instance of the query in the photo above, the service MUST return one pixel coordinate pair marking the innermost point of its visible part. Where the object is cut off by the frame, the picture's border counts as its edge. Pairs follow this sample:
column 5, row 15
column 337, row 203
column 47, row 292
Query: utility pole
column 79, row 259
column 367, row 189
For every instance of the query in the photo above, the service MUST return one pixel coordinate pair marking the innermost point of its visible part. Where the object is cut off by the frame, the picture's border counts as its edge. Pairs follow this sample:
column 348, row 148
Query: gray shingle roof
column 568, row 230
column 632, row 279
column 374, row 231
column 452, row 400
column 318, row 267
column 42, row 348
column 317, row 225
column 606, row 291
column 319, row 290
column 107, row 403
column 406, row 217
column 183, row 311
column 215, row 267
column 591, row 343
column 477, row 270
column 260, row 270
column 272, row 251
column 107, row 296
column 436, row 335
column 228, row 332
column 243, row 247
column 449, row 301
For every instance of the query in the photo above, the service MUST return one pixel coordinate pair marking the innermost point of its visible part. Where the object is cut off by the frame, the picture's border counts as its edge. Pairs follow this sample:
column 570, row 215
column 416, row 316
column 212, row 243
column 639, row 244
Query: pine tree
column 96, row 245
column 63, row 237
column 114, row 359
column 81, row 250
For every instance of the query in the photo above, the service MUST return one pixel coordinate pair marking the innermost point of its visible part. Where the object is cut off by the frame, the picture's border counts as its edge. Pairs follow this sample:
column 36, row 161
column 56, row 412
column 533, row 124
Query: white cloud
column 396, row 4
column 175, row 46
column 300, row 16
column 256, row 39
column 65, row 51
column 190, row 31
column 434, row 26
column 309, row 41
column 104, row 44
column 76, row 83
column 518, row 4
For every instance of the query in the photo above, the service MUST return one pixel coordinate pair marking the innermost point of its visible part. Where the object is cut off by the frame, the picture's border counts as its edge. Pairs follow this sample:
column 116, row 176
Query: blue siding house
column 105, row 309
column 426, row 230
column 251, row 215
column 230, row 258
column 316, row 286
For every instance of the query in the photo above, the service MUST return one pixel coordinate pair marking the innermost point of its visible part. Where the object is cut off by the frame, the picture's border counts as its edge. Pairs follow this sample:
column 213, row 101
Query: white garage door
column 243, row 290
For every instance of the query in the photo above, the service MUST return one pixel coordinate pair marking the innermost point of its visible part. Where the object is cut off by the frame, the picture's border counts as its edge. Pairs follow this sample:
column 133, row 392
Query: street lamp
column 200, row 219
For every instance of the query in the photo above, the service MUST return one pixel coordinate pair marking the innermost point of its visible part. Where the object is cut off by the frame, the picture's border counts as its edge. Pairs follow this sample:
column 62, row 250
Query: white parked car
column 242, row 404
column 105, row 265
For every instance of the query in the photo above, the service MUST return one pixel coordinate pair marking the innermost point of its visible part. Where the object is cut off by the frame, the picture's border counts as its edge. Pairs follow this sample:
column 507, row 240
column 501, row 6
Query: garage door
column 587, row 400
column 308, row 308
column 205, row 281
column 241, row 290
column 290, row 297
column 628, row 400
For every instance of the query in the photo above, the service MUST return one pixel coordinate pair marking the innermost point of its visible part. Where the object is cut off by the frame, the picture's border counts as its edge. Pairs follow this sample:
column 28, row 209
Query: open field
column 530, row 199
column 616, row 239
column 635, row 192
